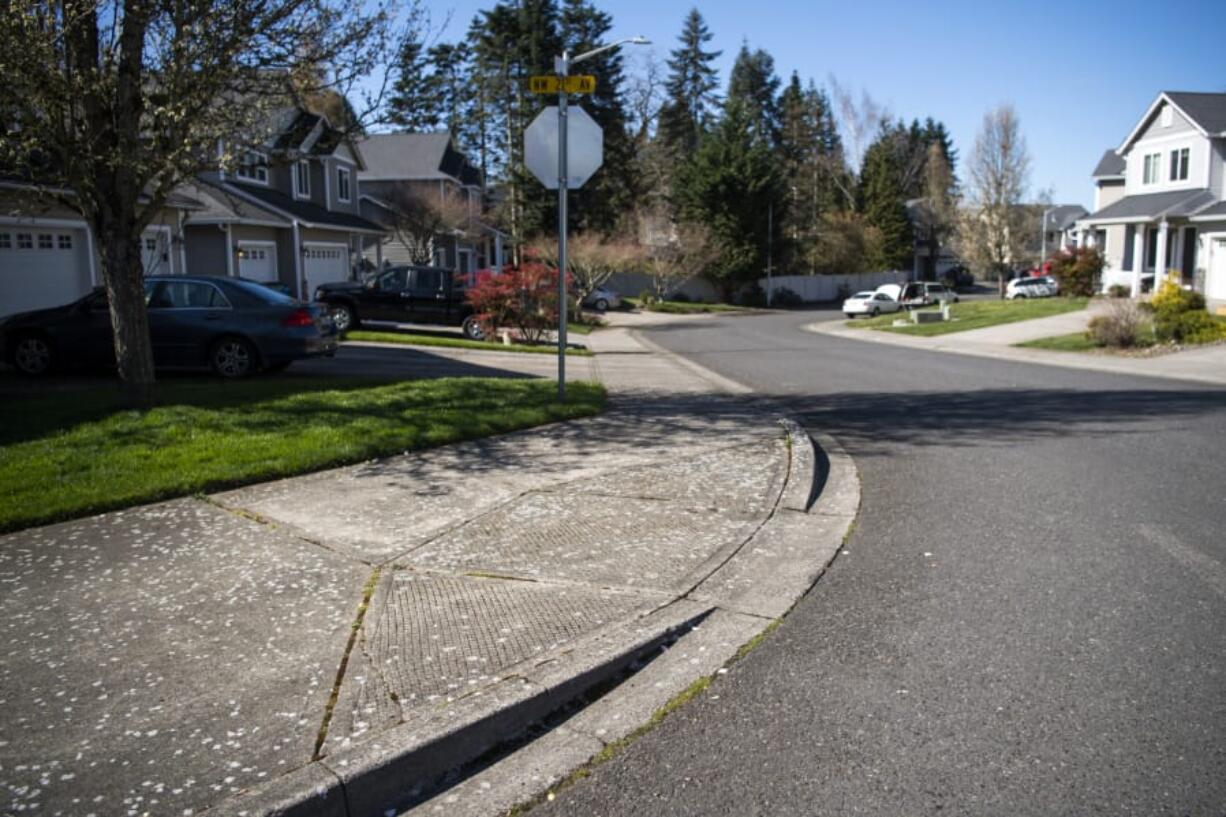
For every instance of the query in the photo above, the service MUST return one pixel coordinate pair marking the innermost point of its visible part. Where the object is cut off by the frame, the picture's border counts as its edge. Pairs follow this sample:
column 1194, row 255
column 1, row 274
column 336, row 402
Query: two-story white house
column 1160, row 203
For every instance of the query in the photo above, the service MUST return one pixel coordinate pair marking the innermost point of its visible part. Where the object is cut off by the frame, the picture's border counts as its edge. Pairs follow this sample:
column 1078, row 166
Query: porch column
column 1138, row 259
column 1160, row 256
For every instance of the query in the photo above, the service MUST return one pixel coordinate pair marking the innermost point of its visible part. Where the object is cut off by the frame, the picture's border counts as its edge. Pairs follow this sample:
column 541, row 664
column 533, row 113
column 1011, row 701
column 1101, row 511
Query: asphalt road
column 1029, row 618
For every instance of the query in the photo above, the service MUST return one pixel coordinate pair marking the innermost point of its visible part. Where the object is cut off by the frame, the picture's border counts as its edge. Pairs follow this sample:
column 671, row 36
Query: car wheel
column 602, row 305
column 875, row 312
column 233, row 358
column 343, row 318
column 33, row 355
column 472, row 328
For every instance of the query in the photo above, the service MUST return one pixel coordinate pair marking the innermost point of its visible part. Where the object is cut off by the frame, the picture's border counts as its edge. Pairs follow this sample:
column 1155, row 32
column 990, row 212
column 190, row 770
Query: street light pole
column 562, row 66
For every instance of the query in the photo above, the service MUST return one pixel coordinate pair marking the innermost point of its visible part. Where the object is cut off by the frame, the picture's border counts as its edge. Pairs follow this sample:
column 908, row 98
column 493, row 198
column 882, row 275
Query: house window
column 64, row 241
column 342, row 184
column 1179, row 165
column 253, row 167
column 1153, row 162
column 302, row 179
column 6, row 241
column 25, row 241
column 44, row 241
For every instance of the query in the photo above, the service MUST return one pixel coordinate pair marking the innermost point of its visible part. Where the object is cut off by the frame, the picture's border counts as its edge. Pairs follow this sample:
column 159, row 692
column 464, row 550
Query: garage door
column 41, row 267
column 324, row 263
column 257, row 261
column 1215, row 287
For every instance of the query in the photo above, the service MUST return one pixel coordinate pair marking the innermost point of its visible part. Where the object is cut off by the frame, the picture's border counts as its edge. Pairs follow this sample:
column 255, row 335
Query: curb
column 1007, row 353
column 599, row 691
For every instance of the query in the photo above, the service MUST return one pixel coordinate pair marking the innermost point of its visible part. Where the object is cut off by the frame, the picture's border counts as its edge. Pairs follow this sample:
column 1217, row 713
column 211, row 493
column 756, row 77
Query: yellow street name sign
column 583, row 84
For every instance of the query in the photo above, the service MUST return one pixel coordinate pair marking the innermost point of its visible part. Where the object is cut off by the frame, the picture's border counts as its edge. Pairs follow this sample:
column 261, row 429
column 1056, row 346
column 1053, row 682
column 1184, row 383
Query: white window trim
column 261, row 166
column 302, row 183
column 346, row 174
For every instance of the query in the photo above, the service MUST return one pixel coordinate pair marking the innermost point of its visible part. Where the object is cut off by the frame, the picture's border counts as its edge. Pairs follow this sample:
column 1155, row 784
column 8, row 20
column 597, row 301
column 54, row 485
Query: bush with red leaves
column 523, row 299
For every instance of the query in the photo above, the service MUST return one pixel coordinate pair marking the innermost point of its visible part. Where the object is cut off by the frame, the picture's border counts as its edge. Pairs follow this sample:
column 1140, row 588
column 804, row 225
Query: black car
column 232, row 326
column 403, row 294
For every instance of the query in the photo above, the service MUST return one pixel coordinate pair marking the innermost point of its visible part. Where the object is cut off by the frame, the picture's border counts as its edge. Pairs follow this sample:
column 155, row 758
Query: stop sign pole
column 561, row 67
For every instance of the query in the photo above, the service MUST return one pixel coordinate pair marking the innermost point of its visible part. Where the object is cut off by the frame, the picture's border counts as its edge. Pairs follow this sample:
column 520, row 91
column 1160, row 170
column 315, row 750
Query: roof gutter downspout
column 297, row 238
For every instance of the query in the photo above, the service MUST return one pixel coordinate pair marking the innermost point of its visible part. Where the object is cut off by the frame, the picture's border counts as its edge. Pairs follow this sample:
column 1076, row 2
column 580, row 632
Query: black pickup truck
column 401, row 295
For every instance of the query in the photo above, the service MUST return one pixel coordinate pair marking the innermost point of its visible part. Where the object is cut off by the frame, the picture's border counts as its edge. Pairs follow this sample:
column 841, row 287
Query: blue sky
column 1079, row 74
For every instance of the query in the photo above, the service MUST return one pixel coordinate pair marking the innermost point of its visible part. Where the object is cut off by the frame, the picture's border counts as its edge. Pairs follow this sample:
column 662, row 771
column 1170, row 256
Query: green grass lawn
column 1073, row 342
column 412, row 339
column 684, row 307
column 75, row 453
column 977, row 315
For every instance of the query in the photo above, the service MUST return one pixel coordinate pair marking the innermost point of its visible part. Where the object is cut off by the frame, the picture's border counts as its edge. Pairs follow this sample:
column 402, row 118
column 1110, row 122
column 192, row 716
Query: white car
column 869, row 303
column 1028, row 288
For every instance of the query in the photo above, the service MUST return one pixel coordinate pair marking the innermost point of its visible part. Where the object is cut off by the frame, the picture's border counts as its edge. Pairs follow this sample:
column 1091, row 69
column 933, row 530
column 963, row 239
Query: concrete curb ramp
column 595, row 690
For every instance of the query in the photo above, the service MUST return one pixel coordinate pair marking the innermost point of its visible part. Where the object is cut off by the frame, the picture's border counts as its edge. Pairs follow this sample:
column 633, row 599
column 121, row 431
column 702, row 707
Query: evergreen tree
column 753, row 85
column 729, row 184
column 413, row 104
column 609, row 194
column 882, row 200
column 448, row 87
column 690, row 89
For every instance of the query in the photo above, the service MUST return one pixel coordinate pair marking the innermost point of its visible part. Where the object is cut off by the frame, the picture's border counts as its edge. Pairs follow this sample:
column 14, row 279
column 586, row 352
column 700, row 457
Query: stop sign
column 584, row 147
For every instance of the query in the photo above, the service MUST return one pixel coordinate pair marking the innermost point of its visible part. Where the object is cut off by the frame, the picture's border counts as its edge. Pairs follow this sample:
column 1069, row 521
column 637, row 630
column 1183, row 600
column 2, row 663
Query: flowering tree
column 109, row 106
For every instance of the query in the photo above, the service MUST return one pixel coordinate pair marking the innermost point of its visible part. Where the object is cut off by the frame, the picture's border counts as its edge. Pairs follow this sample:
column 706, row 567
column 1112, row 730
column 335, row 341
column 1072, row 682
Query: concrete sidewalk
column 337, row 643
column 1205, row 364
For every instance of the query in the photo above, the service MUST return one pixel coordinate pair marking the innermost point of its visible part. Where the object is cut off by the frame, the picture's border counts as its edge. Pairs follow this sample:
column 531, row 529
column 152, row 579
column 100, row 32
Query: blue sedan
column 229, row 325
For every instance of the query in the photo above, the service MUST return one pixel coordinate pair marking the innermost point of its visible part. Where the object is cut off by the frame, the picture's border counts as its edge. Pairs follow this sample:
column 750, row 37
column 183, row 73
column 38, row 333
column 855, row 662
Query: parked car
column 1052, row 283
column 917, row 293
column 870, row 303
column 603, row 299
column 1028, row 288
column 404, row 294
column 230, row 325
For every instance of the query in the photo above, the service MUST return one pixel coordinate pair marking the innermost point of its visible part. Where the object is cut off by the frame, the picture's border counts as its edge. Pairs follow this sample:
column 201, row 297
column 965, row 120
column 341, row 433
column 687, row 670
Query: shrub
column 1078, row 270
column 647, row 298
column 1189, row 327
column 522, row 298
column 1121, row 327
column 1173, row 299
column 1119, row 291
column 785, row 297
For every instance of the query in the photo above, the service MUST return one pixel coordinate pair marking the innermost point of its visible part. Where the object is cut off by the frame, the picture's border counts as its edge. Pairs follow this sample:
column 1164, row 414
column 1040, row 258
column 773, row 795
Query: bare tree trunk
column 125, row 290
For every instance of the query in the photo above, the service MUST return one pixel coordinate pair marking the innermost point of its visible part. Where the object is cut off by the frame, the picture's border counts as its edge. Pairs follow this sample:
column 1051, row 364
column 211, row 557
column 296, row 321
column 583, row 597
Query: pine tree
column 690, row 89
column 448, row 87
column 753, row 85
column 883, row 200
column 729, row 184
column 609, row 194
column 413, row 105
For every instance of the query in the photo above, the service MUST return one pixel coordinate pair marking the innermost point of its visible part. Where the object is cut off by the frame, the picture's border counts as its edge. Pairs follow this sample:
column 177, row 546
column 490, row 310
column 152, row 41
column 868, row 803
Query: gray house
column 416, row 171
column 1160, row 204
column 288, row 213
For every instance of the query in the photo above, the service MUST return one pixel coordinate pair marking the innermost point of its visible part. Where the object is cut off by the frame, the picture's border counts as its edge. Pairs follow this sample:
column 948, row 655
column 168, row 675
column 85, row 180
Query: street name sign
column 550, row 84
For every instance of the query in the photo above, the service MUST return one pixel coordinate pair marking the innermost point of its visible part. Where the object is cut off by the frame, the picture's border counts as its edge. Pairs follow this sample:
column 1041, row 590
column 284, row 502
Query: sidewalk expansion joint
column 355, row 632
column 272, row 524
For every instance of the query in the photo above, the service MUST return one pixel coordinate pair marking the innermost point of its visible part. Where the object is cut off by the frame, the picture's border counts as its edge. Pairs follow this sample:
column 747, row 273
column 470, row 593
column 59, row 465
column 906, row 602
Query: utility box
column 926, row 316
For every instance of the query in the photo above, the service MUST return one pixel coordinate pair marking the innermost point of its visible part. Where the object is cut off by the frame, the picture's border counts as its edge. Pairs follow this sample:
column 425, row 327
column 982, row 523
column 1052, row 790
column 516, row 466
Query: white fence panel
column 816, row 288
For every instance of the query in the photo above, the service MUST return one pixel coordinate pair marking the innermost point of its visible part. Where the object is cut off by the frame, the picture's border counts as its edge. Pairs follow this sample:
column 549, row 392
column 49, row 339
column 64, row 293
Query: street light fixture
column 561, row 67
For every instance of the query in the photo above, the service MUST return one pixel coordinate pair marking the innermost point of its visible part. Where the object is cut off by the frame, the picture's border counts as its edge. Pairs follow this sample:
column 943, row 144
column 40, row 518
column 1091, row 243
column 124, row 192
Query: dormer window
column 302, row 179
column 253, row 167
column 342, row 184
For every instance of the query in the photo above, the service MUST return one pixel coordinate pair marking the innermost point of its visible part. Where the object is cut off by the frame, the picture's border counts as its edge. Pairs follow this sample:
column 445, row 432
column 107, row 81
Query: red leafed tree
column 523, row 298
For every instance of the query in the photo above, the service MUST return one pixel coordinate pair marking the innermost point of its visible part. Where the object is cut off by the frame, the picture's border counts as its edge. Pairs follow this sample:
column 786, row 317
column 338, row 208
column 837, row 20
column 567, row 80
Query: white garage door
column 257, row 261
column 1215, row 287
column 41, row 267
column 324, row 263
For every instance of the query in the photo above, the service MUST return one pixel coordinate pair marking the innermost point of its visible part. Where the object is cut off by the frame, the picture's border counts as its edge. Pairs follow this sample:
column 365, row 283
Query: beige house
column 1160, row 203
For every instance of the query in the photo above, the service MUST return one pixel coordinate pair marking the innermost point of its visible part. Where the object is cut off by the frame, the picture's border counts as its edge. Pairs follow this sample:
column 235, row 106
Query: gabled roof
column 1110, row 166
column 1206, row 112
column 307, row 213
column 1153, row 206
column 1063, row 216
column 415, row 156
column 221, row 206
